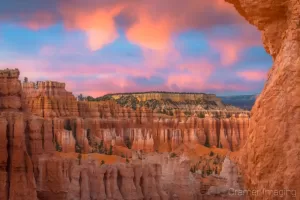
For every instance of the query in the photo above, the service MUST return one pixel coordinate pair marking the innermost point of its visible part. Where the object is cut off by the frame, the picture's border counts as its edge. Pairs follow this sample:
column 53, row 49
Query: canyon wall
column 270, row 159
column 53, row 147
column 16, row 169
column 146, row 129
column 69, row 178
column 49, row 99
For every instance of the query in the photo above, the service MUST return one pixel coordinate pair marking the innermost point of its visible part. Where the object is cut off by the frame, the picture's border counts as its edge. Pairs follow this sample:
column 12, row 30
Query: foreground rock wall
column 270, row 158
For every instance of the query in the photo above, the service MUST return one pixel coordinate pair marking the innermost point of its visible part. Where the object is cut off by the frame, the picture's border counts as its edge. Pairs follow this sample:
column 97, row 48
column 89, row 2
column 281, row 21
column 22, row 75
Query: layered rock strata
column 66, row 178
column 270, row 159
column 49, row 99
column 146, row 129
column 16, row 169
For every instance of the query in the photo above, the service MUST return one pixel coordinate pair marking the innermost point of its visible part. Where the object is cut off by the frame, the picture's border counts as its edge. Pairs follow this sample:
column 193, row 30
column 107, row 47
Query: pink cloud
column 154, row 25
column 39, row 20
column 202, row 66
column 253, row 75
column 231, row 47
column 198, row 72
column 229, row 51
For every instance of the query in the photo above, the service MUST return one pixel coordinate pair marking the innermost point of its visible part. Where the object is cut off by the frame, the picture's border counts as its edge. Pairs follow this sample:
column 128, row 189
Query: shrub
column 127, row 161
column 128, row 143
column 193, row 169
column 209, row 172
column 201, row 115
column 77, row 148
column 211, row 154
column 79, row 158
column 188, row 113
column 100, row 147
column 207, row 142
column 58, row 147
column 102, row 162
column 110, row 151
column 173, row 155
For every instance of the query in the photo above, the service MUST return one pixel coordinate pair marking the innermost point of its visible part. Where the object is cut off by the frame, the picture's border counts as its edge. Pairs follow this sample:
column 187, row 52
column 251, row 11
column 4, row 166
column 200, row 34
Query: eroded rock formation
column 16, row 169
column 49, row 99
column 270, row 159
column 45, row 118
column 147, row 129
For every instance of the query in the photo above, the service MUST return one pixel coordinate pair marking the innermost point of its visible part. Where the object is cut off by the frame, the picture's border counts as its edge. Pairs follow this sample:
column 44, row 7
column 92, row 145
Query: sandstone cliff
column 16, row 169
column 66, row 178
column 147, row 129
column 43, row 126
column 270, row 159
column 49, row 99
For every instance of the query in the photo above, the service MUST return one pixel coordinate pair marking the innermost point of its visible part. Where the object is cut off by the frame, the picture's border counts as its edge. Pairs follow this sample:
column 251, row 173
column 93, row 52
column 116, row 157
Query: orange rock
column 270, row 158
column 49, row 99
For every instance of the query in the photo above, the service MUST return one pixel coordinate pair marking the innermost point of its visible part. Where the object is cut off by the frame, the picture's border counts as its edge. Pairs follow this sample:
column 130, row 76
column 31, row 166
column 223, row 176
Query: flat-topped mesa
column 174, row 96
column 10, row 89
column 49, row 99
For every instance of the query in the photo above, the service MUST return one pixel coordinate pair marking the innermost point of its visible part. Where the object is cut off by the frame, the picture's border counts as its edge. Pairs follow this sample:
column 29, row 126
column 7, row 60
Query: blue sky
column 131, row 46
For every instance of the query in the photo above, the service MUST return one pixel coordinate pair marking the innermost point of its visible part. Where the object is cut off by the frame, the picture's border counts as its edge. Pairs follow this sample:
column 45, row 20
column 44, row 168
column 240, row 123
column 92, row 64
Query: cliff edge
column 270, row 159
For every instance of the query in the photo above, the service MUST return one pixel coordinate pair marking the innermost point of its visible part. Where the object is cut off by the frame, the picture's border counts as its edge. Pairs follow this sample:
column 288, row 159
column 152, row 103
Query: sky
column 111, row 46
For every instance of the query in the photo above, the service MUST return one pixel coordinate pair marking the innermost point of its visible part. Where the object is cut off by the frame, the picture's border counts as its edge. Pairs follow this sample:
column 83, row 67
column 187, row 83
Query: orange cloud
column 153, row 35
column 253, row 75
column 155, row 21
column 98, row 25
column 229, row 51
column 150, row 33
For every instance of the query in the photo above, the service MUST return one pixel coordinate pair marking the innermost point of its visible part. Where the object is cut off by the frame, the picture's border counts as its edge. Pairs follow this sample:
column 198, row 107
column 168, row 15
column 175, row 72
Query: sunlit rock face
column 270, row 158
column 16, row 170
column 117, row 119
column 230, row 133
column 66, row 178
column 49, row 99
column 53, row 147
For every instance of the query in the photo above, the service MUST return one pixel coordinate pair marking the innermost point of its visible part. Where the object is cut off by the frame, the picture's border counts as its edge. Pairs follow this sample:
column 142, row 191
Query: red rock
column 270, row 157
column 49, row 99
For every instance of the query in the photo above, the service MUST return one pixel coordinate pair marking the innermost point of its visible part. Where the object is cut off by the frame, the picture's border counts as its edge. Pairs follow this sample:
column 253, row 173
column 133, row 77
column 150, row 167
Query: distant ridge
column 129, row 93
column 241, row 101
